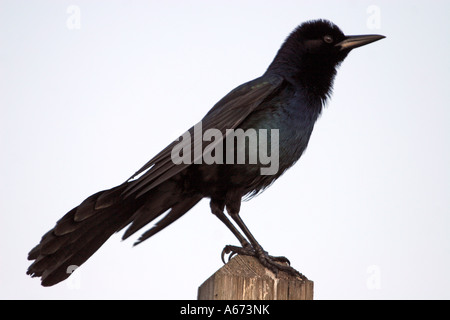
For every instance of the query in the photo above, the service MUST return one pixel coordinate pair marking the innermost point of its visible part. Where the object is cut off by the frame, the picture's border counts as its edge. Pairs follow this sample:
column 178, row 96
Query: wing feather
column 228, row 113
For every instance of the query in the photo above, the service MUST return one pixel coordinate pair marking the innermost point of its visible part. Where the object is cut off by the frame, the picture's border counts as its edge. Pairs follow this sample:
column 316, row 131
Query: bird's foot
column 274, row 264
column 249, row 251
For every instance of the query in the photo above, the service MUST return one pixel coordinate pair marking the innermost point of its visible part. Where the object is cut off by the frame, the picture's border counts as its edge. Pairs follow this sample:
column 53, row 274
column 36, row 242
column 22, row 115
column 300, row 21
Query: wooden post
column 244, row 278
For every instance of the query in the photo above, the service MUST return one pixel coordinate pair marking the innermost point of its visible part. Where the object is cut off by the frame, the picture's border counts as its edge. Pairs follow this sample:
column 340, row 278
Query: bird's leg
column 217, row 209
column 233, row 200
column 272, row 263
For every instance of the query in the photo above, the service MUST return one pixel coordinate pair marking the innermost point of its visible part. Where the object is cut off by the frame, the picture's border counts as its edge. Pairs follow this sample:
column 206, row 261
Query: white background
column 365, row 212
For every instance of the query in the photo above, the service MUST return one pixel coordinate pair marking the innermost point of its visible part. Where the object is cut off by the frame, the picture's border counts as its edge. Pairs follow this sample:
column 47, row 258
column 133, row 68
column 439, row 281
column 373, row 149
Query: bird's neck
column 311, row 73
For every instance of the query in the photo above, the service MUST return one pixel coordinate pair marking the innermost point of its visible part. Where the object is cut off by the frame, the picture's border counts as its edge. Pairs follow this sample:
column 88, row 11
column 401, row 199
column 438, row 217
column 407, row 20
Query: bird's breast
column 264, row 146
column 282, row 132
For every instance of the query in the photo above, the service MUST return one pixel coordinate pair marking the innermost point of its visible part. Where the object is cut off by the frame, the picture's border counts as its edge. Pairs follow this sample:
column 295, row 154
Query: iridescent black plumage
column 289, row 98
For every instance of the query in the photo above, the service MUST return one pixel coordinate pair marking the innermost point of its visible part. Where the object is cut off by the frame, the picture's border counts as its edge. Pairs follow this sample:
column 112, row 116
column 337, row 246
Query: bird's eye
column 328, row 39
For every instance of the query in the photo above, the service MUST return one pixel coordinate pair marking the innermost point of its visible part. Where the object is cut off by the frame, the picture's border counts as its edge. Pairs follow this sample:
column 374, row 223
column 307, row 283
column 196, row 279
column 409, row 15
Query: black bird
column 288, row 97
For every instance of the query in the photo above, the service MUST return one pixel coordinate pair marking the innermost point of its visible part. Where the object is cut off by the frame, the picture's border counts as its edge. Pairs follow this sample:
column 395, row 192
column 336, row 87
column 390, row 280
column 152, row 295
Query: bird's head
column 325, row 40
column 312, row 52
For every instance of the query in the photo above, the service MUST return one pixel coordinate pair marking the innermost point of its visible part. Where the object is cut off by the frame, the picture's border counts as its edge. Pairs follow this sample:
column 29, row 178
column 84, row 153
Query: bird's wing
column 228, row 113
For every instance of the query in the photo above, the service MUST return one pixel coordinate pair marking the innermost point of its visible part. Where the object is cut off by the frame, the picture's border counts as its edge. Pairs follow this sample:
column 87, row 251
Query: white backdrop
column 90, row 90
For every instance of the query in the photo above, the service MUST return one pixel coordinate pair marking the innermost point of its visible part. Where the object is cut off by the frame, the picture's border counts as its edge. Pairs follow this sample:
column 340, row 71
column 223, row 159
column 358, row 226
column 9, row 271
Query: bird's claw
column 233, row 250
column 274, row 264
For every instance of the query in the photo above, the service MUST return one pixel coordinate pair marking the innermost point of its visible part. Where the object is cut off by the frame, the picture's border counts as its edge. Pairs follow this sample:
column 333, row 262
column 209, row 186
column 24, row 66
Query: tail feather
column 86, row 208
column 176, row 212
column 84, row 229
column 60, row 252
column 107, row 199
column 158, row 202
column 73, row 256
column 66, row 224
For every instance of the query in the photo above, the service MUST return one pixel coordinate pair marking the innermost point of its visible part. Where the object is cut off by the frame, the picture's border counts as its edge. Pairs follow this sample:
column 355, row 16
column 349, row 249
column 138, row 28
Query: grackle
column 285, row 101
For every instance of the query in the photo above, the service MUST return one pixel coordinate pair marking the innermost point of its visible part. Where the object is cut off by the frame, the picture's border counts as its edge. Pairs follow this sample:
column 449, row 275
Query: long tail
column 84, row 229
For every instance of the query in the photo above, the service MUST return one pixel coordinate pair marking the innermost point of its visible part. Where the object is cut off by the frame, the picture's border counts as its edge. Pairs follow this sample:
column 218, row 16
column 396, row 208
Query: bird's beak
column 352, row 42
